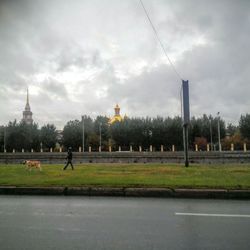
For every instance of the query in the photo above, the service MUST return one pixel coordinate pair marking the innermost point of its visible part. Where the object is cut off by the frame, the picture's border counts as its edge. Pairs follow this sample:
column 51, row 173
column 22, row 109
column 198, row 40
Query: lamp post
column 211, row 135
column 100, row 131
column 150, row 140
column 4, row 139
column 82, row 134
column 218, row 116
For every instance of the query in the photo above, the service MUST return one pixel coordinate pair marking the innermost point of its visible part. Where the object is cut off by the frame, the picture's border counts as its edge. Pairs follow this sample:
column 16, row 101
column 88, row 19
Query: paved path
column 30, row 222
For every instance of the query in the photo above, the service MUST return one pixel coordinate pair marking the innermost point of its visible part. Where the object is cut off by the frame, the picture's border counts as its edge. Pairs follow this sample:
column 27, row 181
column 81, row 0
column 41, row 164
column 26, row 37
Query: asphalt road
column 30, row 222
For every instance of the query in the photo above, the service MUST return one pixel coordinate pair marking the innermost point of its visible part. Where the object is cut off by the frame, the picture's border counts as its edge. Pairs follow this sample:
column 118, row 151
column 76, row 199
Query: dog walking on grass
column 32, row 164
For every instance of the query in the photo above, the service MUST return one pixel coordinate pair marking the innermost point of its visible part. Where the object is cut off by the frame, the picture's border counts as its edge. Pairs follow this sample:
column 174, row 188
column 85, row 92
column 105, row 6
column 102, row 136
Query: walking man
column 69, row 159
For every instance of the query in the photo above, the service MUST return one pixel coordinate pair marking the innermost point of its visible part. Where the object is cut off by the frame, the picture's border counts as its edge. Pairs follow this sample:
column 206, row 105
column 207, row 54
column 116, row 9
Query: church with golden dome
column 117, row 117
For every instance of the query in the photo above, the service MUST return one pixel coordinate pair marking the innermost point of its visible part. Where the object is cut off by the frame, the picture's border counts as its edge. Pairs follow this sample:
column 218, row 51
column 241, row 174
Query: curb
column 128, row 192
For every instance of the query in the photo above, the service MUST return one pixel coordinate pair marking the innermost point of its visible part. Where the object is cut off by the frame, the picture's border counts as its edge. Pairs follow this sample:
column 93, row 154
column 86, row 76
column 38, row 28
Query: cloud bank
column 83, row 57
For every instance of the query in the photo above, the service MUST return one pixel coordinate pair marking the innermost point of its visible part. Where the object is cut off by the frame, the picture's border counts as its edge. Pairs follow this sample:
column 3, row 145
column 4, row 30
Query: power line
column 159, row 40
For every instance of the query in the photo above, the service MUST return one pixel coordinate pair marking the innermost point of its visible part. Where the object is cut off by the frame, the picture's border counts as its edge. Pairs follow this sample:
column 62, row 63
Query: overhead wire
column 159, row 40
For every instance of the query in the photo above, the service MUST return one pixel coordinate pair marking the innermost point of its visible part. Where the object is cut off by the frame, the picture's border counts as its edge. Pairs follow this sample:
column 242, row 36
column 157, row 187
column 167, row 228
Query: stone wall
column 129, row 157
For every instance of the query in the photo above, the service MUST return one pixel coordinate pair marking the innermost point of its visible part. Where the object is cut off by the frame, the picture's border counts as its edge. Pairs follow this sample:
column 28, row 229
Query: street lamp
column 100, row 131
column 82, row 134
column 4, row 139
column 211, row 135
column 218, row 116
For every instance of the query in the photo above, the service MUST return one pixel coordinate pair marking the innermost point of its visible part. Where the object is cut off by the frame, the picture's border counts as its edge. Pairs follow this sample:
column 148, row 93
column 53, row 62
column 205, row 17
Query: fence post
column 173, row 148
column 140, row 149
column 131, row 148
column 162, row 148
column 245, row 147
column 208, row 148
column 232, row 147
column 89, row 149
column 196, row 147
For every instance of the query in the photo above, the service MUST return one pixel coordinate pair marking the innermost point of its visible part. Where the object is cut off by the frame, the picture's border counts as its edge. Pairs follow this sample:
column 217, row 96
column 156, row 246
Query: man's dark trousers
column 69, row 162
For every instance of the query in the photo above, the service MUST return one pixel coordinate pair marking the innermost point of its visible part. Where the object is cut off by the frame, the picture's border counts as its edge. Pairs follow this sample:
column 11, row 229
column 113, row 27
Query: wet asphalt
column 59, row 222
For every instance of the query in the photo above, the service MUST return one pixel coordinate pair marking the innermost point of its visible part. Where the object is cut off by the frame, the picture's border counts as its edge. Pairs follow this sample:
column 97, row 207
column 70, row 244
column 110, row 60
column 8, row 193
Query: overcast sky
column 84, row 56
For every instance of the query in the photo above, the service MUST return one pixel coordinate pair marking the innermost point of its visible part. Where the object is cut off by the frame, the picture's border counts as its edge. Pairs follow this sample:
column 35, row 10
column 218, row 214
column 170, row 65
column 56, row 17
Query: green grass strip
column 232, row 176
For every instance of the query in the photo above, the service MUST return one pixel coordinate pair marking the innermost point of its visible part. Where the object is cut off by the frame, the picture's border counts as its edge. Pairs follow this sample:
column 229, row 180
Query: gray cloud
column 54, row 88
column 83, row 57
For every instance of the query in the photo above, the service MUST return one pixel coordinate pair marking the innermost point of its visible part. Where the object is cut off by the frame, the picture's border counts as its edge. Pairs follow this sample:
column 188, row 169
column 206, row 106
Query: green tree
column 88, row 131
column 22, row 136
column 174, row 132
column 231, row 129
column 244, row 125
column 101, row 125
column 2, row 135
column 48, row 136
column 158, row 132
column 200, row 127
column 72, row 134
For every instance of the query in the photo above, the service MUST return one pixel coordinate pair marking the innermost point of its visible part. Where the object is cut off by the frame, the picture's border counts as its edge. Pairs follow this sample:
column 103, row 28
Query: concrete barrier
column 200, row 193
column 128, row 192
column 148, row 192
column 32, row 190
column 130, row 157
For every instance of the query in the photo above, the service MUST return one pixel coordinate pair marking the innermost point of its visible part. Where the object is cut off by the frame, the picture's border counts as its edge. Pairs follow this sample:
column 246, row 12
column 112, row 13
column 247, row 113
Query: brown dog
column 33, row 164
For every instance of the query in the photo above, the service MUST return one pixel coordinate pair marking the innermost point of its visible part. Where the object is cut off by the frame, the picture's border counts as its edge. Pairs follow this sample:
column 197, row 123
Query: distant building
column 117, row 117
column 27, row 114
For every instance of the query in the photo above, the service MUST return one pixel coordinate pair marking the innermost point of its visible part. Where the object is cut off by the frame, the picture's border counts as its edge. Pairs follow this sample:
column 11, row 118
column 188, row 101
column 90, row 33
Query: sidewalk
column 128, row 192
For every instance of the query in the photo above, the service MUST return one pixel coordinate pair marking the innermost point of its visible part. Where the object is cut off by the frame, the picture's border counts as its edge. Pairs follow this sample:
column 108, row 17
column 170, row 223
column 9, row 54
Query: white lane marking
column 216, row 215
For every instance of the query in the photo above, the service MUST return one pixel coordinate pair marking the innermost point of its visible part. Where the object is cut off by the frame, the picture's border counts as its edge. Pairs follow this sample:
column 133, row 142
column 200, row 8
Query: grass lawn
column 130, row 175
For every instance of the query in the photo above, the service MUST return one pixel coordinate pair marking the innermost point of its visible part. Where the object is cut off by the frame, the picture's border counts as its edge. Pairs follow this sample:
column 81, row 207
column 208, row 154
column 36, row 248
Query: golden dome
column 117, row 117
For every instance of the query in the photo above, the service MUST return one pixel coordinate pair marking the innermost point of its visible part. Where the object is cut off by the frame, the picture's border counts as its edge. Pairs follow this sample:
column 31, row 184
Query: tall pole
column 185, row 142
column 186, row 119
column 100, row 131
column 4, row 139
column 82, row 134
column 211, row 136
column 218, row 114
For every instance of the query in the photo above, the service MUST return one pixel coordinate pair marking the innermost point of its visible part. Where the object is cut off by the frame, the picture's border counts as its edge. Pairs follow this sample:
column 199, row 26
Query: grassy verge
column 130, row 175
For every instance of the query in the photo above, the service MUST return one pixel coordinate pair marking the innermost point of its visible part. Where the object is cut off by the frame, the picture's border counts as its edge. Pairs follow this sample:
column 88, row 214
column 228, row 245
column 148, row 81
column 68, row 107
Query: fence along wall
column 130, row 148
column 128, row 157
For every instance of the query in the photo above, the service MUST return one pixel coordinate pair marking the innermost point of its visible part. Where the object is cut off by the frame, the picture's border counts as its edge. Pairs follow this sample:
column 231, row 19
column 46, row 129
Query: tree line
column 133, row 132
